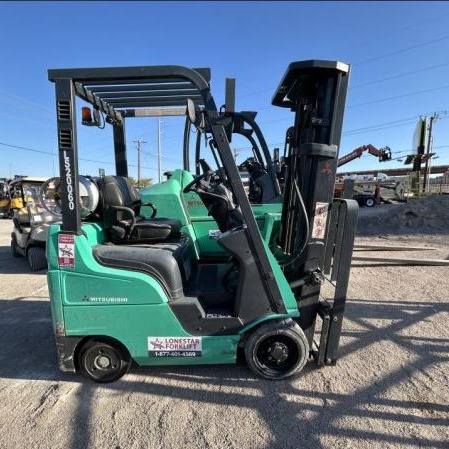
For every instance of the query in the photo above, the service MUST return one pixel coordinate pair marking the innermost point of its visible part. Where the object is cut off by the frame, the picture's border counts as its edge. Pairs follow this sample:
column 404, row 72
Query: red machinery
column 384, row 154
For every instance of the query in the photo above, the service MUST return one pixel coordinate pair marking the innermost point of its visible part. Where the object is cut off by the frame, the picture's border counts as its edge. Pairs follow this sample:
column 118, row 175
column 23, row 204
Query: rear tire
column 370, row 202
column 277, row 349
column 14, row 252
column 36, row 258
column 103, row 362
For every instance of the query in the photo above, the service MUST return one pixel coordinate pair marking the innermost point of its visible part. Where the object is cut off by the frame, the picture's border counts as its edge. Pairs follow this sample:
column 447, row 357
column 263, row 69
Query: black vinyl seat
column 121, row 215
column 167, row 263
column 158, row 263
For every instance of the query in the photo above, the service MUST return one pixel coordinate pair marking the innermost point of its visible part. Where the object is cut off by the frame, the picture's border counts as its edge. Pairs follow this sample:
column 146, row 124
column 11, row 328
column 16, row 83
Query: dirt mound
column 419, row 216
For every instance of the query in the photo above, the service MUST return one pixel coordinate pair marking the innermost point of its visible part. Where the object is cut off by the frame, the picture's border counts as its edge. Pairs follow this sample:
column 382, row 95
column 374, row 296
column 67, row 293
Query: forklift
column 130, row 285
column 5, row 198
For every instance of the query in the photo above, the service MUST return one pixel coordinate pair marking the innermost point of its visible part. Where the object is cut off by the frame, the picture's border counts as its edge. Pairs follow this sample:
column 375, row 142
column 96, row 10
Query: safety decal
column 174, row 346
column 66, row 250
column 320, row 221
column 214, row 234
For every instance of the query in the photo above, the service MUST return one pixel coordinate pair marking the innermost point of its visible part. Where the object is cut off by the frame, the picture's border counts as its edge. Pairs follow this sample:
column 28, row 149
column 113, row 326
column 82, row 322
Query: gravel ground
column 390, row 388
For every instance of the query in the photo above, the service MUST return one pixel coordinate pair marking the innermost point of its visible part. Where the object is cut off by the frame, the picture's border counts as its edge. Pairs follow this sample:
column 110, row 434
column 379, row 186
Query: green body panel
column 284, row 287
column 168, row 198
column 206, row 242
column 133, row 324
column 54, row 288
column 94, row 300
column 90, row 282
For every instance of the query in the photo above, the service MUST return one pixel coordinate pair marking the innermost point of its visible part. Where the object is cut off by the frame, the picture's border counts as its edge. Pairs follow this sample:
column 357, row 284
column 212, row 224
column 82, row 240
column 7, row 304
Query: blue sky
column 399, row 53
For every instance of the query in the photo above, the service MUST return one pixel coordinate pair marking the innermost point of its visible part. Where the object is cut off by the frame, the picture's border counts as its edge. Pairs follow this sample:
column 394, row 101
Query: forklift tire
column 36, row 258
column 277, row 349
column 14, row 252
column 370, row 202
column 103, row 362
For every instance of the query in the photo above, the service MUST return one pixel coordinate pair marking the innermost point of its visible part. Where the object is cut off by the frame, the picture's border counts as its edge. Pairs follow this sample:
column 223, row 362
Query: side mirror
column 191, row 111
column 195, row 115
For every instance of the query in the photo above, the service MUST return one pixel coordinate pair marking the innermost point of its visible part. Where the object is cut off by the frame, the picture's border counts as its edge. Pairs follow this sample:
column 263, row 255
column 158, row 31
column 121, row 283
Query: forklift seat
column 165, row 262
column 121, row 215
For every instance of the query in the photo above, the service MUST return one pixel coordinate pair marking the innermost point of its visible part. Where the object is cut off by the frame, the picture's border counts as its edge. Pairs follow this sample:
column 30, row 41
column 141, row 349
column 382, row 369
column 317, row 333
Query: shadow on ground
column 15, row 265
column 28, row 352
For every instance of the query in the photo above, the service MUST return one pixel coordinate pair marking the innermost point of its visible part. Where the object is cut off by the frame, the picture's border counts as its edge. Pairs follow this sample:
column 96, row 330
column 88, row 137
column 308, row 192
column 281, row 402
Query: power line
column 440, row 15
column 400, row 75
column 25, row 148
column 53, row 154
column 381, row 125
column 403, row 50
column 377, row 58
column 399, row 96
column 33, row 122
column 162, row 156
column 19, row 100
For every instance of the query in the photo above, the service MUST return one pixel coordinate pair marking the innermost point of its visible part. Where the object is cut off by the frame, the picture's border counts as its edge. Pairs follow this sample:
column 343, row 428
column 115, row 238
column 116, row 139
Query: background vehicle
column 383, row 154
column 127, row 284
column 30, row 222
column 5, row 198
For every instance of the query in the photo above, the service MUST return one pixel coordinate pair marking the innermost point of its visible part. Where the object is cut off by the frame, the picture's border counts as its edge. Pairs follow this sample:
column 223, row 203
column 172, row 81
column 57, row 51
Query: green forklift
column 129, row 284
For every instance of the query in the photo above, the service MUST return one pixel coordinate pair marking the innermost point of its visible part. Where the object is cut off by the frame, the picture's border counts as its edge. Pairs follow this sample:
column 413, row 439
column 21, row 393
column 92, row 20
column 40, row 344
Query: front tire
column 36, row 258
column 370, row 202
column 103, row 362
column 277, row 349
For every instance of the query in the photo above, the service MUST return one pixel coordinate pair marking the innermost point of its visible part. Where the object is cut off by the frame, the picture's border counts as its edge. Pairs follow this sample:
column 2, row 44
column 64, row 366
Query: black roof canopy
column 117, row 90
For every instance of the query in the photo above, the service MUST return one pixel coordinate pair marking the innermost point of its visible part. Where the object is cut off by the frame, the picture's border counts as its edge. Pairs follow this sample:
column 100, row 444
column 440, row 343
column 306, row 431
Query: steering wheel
column 50, row 196
column 198, row 180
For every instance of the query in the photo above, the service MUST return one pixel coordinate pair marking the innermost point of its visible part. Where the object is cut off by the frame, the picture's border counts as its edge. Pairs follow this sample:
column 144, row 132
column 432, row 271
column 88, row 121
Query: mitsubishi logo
column 326, row 170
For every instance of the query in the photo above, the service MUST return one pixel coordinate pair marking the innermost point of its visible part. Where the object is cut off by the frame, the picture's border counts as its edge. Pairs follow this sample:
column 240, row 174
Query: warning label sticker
column 66, row 250
column 214, row 234
column 320, row 221
column 174, row 346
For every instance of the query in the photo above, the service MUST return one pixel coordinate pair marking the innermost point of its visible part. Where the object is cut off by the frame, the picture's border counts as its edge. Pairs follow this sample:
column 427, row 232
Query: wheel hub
column 277, row 352
column 102, row 362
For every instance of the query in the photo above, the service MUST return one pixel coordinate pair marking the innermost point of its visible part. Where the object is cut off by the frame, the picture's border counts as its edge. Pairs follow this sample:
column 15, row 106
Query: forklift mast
column 314, row 228
column 316, row 92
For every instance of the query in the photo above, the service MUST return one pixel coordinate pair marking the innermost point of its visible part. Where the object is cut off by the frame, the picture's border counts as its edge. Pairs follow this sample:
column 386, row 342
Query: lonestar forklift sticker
column 174, row 346
column 66, row 250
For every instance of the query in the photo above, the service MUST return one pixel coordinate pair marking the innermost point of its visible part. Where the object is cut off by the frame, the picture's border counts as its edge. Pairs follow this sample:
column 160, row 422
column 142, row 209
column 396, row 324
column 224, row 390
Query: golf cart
column 30, row 222
column 129, row 284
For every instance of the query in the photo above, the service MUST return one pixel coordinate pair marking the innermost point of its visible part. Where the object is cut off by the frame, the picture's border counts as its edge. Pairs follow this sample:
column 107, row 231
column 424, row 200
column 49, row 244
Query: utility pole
column 138, row 143
column 426, row 179
column 159, row 149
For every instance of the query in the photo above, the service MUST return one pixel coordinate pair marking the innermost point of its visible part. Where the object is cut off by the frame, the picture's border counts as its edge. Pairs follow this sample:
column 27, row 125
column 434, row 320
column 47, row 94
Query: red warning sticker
column 320, row 221
column 66, row 250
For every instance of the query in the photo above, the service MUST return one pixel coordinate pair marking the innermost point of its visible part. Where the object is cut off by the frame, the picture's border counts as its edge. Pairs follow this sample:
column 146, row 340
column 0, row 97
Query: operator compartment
column 152, row 246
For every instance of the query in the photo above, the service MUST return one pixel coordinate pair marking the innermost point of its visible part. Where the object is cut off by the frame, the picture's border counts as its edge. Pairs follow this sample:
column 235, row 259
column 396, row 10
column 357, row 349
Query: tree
column 144, row 182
